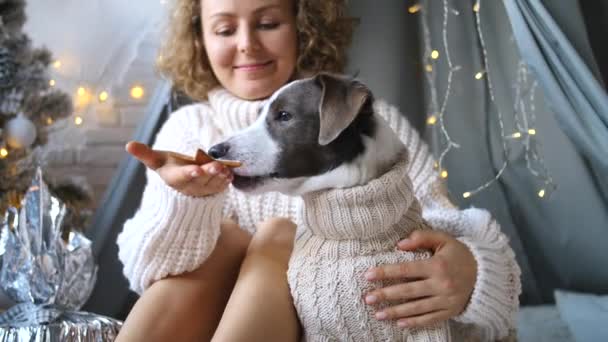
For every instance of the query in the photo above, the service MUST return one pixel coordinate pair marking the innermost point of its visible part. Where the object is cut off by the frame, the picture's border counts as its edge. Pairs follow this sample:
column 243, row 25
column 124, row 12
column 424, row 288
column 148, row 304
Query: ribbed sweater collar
column 364, row 212
column 233, row 113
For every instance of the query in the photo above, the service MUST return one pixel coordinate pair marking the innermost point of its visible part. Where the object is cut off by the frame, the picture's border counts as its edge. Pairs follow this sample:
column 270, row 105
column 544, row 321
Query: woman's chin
column 256, row 89
column 254, row 93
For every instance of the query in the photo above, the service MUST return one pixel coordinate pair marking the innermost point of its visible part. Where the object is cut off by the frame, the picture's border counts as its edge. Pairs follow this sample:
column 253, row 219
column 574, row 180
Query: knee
column 232, row 237
column 274, row 234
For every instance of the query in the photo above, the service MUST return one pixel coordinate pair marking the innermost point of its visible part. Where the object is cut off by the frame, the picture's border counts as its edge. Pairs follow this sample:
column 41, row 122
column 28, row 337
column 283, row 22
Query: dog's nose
column 219, row 151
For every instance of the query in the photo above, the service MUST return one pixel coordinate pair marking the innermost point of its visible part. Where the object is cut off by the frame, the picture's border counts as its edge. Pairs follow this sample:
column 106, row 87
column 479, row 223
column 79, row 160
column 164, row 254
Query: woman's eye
column 224, row 32
column 284, row 116
column 268, row 26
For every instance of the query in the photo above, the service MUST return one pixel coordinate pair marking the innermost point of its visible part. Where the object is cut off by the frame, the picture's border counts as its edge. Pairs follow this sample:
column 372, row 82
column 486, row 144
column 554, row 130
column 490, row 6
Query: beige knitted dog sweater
column 348, row 231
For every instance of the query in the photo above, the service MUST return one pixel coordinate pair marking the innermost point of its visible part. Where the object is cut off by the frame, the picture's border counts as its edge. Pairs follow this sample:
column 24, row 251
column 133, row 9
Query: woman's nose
column 248, row 42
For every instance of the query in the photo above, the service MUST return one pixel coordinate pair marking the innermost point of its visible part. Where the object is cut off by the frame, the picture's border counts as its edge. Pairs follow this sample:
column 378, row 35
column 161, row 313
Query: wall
column 93, row 150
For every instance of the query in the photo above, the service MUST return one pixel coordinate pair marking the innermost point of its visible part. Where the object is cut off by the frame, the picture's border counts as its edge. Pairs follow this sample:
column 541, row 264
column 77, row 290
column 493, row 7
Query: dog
column 321, row 138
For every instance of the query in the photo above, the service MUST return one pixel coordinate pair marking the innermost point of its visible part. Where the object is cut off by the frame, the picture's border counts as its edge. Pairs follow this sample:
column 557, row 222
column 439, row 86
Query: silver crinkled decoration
column 49, row 274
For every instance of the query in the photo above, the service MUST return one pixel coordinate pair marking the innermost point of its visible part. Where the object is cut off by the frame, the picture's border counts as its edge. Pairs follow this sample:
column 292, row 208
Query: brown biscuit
column 199, row 158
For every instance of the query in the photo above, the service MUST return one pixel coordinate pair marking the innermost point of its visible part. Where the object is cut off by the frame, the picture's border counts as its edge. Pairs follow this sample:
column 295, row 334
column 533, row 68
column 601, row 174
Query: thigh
column 188, row 307
column 260, row 307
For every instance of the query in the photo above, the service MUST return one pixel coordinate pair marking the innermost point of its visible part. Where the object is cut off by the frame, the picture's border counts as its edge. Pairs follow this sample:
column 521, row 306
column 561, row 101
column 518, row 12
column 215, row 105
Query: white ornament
column 20, row 132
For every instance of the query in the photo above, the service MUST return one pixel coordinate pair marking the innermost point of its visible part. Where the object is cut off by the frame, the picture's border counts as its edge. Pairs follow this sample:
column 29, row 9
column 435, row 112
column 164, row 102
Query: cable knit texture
column 172, row 233
column 349, row 231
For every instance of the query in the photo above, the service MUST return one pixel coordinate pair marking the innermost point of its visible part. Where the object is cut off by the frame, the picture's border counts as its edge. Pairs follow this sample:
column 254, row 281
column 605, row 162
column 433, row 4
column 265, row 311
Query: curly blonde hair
column 323, row 28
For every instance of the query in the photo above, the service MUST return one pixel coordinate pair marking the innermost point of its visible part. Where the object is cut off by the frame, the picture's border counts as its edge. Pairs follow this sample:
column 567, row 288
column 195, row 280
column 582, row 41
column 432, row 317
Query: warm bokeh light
column 414, row 8
column 103, row 96
column 78, row 120
column 431, row 120
column 137, row 92
column 3, row 153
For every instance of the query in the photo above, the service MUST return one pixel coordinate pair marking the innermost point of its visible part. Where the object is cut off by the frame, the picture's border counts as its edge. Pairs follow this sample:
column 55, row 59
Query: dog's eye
column 283, row 116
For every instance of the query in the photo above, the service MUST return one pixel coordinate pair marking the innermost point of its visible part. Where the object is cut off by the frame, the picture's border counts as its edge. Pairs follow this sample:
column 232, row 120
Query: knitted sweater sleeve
column 172, row 233
column 495, row 299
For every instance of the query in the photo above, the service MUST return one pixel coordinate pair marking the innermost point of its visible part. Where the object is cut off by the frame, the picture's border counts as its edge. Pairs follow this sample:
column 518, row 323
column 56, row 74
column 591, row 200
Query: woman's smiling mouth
column 252, row 66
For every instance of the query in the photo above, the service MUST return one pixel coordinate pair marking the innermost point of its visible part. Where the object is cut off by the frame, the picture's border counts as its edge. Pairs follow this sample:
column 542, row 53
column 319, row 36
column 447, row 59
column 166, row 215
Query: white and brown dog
column 321, row 138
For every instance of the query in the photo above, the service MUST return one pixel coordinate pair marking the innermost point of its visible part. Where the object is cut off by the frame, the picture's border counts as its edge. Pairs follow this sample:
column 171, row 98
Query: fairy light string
column 524, row 108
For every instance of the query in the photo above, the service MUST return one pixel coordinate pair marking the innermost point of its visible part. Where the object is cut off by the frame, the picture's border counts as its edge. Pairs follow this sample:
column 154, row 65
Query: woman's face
column 251, row 44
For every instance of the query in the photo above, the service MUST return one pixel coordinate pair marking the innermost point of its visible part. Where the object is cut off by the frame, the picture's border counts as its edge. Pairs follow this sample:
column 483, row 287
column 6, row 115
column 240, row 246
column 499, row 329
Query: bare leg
column 189, row 306
column 260, row 307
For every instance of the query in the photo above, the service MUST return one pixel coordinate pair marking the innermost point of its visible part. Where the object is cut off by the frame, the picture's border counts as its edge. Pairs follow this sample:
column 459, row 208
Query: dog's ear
column 341, row 101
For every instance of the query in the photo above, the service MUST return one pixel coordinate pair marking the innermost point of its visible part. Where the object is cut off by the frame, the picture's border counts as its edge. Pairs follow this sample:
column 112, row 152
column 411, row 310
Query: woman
column 204, row 276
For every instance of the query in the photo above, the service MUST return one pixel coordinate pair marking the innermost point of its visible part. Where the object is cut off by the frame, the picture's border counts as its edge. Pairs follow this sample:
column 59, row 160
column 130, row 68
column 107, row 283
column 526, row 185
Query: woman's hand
column 436, row 289
column 189, row 179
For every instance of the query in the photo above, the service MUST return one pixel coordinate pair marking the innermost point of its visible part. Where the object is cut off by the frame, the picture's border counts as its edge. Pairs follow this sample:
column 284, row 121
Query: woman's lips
column 253, row 67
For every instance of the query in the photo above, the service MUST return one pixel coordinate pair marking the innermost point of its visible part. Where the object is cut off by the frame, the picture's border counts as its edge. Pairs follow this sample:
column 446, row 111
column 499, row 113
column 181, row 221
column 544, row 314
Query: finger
column 179, row 176
column 411, row 309
column 425, row 320
column 404, row 291
column 410, row 269
column 218, row 183
column 146, row 155
column 213, row 168
column 421, row 239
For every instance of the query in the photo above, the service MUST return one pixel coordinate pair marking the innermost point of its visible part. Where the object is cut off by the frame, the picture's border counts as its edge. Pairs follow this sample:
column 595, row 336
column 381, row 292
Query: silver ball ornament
column 20, row 132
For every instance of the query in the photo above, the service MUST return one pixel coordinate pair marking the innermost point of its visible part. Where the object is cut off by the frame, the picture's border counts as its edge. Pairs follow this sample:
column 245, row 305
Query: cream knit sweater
column 344, row 233
column 172, row 233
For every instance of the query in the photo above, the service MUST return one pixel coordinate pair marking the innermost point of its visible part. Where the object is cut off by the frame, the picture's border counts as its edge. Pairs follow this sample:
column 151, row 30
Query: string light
column 49, row 121
column 137, row 92
column 414, row 8
column 524, row 119
column 81, row 91
column 52, row 83
column 103, row 96
column 534, row 162
column 78, row 120
column 57, row 64
column 430, row 76
column 3, row 152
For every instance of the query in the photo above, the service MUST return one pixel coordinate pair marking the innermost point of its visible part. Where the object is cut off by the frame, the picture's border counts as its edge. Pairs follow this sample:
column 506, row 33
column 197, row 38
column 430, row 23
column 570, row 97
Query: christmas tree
column 29, row 107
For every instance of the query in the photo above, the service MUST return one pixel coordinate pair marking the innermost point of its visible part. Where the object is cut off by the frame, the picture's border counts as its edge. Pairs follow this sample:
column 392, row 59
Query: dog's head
column 309, row 136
